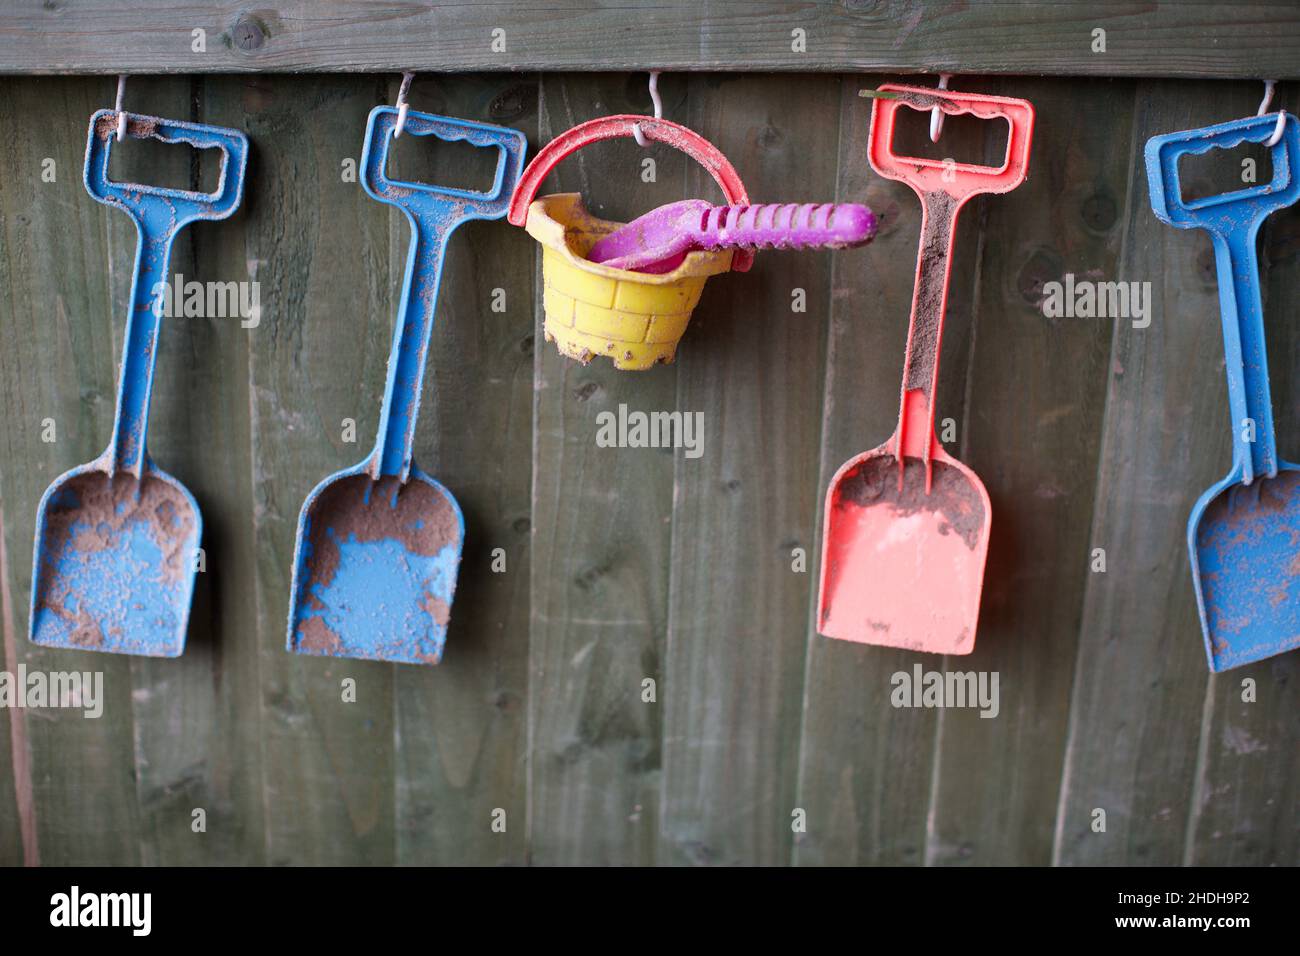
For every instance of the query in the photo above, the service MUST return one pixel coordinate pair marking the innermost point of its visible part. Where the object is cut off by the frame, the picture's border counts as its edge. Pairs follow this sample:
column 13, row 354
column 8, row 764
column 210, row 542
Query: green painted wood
column 627, row 564
column 461, row 728
column 1243, row 804
column 171, row 706
column 1141, row 676
column 865, row 767
column 59, row 361
column 601, row 535
column 1036, row 400
column 1243, row 808
column 217, row 433
column 1182, row 38
column 18, row 839
column 17, row 813
column 183, row 740
column 319, row 247
column 752, row 367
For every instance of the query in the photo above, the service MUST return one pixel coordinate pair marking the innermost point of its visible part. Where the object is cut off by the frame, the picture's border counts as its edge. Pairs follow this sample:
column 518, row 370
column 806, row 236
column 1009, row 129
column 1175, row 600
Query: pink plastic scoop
column 658, row 241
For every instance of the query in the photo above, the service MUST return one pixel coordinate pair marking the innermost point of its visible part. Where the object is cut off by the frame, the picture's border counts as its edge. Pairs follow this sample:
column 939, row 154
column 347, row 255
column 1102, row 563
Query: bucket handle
column 613, row 127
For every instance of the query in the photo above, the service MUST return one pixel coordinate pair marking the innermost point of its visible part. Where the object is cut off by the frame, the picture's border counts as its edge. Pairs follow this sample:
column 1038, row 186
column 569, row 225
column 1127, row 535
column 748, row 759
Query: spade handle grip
column 785, row 226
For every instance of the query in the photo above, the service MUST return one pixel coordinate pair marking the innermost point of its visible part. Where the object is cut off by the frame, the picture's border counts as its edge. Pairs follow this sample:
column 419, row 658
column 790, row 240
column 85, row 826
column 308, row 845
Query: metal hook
column 1263, row 108
column 936, row 114
column 402, row 106
column 121, row 116
column 659, row 109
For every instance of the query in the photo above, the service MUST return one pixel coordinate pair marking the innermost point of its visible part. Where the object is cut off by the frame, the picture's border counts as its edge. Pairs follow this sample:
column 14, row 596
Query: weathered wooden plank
column 865, row 767
column 59, row 362
column 1244, row 805
column 197, row 733
column 461, row 728
column 18, row 839
column 1244, row 802
column 319, row 248
column 751, row 367
column 17, row 810
column 1185, row 38
column 1037, row 396
column 173, row 700
column 261, row 740
column 601, row 536
column 1141, row 676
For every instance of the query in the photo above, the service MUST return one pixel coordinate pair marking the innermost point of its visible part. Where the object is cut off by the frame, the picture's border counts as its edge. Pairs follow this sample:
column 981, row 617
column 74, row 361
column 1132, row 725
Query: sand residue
column 360, row 509
column 315, row 636
column 874, row 483
column 88, row 513
column 138, row 126
column 932, row 286
column 1242, row 513
column 1237, row 519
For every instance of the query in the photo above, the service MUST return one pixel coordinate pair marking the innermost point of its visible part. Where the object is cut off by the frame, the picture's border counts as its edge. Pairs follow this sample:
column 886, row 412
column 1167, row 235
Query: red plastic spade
column 907, row 525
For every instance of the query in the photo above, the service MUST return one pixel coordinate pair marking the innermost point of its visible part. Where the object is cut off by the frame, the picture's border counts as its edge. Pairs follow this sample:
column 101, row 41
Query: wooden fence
column 628, row 565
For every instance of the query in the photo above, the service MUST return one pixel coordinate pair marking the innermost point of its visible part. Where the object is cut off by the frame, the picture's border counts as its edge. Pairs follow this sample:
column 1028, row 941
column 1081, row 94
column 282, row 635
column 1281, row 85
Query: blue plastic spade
column 116, row 539
column 1244, row 532
column 379, row 544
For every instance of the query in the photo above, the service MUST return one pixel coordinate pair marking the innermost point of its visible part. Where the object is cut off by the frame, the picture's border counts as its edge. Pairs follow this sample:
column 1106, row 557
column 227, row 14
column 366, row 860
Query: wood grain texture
column 1183, row 38
column 627, row 564
column 751, row 366
column 1248, row 789
column 1141, row 676
column 461, row 728
column 866, row 767
column 59, row 361
column 18, row 844
column 318, row 246
column 1037, row 396
column 187, row 730
column 602, row 528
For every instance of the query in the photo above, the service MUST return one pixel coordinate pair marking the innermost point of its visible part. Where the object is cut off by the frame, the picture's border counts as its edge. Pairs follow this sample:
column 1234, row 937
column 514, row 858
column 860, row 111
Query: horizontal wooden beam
column 1186, row 38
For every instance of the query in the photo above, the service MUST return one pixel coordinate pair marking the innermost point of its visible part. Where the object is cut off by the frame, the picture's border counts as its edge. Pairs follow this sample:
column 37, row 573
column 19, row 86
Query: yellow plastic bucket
column 635, row 318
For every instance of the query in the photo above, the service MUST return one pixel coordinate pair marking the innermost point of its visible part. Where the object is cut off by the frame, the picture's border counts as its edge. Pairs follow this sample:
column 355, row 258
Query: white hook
column 402, row 106
column 1281, row 114
column 936, row 114
column 659, row 109
column 121, row 116
column 1277, row 130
